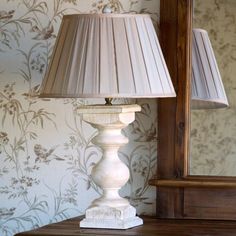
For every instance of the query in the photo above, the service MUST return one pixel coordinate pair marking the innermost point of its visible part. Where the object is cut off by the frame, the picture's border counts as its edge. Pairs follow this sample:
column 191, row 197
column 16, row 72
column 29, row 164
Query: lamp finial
column 107, row 9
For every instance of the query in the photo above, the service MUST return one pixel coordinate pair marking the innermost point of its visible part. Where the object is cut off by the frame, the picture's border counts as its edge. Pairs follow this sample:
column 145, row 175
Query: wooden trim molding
column 179, row 195
column 173, row 113
column 193, row 183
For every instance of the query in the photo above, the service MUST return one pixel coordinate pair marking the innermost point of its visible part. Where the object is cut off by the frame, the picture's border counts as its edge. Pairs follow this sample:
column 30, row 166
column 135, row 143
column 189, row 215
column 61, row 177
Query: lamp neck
column 108, row 101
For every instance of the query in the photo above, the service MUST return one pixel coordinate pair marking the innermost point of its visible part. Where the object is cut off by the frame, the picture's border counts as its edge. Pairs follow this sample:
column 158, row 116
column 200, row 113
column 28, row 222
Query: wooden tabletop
column 151, row 227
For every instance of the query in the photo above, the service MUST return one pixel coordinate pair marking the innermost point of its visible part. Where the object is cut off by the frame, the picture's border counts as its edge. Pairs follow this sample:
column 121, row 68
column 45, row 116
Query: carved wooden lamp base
column 110, row 173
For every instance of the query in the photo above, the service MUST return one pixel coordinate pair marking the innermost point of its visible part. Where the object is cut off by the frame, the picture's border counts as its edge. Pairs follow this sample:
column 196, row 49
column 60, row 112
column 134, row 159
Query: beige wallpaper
column 213, row 132
column 46, row 153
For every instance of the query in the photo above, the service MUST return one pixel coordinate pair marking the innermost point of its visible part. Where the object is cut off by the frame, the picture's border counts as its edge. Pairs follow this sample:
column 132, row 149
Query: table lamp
column 207, row 87
column 108, row 56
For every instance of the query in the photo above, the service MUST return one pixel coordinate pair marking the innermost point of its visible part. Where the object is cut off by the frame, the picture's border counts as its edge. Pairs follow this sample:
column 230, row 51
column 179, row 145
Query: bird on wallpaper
column 44, row 155
column 6, row 213
column 44, row 33
column 4, row 15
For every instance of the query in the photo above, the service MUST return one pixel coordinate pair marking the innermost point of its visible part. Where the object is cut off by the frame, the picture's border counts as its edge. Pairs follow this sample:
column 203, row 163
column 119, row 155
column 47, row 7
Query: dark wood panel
column 151, row 227
column 210, row 203
column 173, row 113
column 169, row 203
column 167, row 106
column 179, row 195
column 194, row 183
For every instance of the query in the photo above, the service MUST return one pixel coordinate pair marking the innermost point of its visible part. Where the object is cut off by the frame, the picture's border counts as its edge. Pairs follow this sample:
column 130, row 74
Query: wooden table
column 151, row 227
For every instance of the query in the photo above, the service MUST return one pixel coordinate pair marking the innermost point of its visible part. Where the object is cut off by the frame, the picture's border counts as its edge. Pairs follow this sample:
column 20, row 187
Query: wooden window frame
column 180, row 195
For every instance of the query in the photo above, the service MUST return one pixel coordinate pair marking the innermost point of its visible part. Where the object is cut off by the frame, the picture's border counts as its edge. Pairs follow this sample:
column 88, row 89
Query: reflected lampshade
column 207, row 87
column 107, row 55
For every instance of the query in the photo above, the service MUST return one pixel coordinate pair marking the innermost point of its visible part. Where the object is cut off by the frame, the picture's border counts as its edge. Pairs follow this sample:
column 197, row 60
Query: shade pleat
column 126, row 23
column 82, row 54
column 67, row 82
column 107, row 55
column 158, row 60
column 167, row 84
column 75, row 84
column 107, row 74
column 200, row 83
column 215, row 70
column 207, row 87
column 53, row 66
column 62, row 67
column 90, row 64
column 125, row 76
column 148, row 58
column 136, row 57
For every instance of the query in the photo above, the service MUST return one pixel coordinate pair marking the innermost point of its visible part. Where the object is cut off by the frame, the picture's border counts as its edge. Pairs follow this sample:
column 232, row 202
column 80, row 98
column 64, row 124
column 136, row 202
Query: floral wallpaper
column 46, row 154
column 213, row 132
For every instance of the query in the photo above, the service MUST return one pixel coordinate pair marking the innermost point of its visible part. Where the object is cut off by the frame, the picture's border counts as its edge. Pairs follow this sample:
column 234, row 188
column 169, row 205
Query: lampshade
column 107, row 55
column 207, row 87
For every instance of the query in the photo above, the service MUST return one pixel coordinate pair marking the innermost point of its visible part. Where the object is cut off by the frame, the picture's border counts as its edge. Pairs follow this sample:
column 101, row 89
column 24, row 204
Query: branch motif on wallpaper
column 27, row 31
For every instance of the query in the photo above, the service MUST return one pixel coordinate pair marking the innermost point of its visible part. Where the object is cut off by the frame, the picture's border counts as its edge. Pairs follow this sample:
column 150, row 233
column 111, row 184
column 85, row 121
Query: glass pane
column 213, row 131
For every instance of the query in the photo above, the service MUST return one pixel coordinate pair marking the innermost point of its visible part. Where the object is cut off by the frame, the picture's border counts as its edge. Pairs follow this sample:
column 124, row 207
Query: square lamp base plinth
column 111, row 218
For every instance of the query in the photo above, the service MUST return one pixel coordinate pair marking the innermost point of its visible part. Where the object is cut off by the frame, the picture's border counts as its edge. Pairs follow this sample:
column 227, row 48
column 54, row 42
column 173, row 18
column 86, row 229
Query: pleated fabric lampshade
column 107, row 55
column 207, row 87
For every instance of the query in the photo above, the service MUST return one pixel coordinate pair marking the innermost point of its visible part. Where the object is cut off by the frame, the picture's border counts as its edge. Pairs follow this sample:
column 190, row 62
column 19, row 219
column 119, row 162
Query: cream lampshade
column 108, row 56
column 207, row 87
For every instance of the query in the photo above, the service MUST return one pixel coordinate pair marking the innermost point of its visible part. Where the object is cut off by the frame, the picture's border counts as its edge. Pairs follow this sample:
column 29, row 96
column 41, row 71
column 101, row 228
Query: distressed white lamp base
column 111, row 218
column 110, row 211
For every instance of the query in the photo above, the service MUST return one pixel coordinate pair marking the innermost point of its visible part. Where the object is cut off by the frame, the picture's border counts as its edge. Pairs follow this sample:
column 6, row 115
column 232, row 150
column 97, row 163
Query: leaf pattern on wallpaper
column 42, row 182
column 60, row 198
column 141, row 133
column 142, row 165
column 213, row 142
column 17, row 158
column 83, row 152
column 11, row 27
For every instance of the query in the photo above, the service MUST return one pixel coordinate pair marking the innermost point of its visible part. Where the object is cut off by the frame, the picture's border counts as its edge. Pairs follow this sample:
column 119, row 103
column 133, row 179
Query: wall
column 213, row 139
column 46, row 153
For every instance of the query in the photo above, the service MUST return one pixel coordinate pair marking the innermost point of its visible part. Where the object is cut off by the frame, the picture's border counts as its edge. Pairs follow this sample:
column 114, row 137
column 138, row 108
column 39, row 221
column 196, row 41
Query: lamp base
column 110, row 210
column 111, row 218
